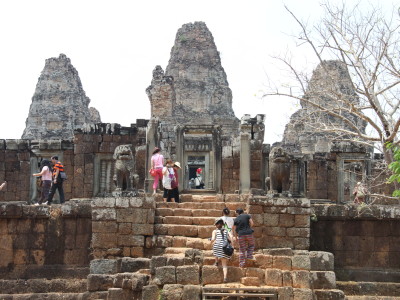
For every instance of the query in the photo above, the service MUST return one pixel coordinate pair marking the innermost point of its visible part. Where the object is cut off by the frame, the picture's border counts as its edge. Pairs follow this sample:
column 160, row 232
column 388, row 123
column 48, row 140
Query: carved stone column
column 244, row 185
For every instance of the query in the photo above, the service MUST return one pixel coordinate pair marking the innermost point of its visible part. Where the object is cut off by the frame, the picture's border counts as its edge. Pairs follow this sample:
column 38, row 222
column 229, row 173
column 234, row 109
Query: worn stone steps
column 219, row 205
column 21, row 286
column 201, row 231
column 185, row 220
column 188, row 212
column 352, row 288
column 372, row 298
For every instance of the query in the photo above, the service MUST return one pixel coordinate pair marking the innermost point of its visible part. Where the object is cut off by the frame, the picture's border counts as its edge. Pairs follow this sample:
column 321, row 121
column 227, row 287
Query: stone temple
column 114, row 240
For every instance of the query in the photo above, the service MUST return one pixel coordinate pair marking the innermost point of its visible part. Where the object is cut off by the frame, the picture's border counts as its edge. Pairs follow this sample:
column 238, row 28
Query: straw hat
column 178, row 164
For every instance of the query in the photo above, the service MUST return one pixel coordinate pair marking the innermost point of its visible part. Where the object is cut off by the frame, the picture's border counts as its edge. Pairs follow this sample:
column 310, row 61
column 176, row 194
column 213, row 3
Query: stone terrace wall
column 35, row 239
column 122, row 226
column 365, row 241
column 280, row 222
column 15, row 168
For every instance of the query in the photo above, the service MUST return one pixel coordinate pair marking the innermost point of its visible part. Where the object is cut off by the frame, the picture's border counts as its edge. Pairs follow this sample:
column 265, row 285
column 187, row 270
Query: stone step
column 202, row 205
column 352, row 288
column 181, row 212
column 372, row 298
column 185, row 220
column 333, row 294
column 21, row 286
column 201, row 231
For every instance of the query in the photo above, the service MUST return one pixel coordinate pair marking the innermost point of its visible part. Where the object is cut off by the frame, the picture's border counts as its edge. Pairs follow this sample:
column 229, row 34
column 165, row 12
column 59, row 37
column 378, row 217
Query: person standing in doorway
column 243, row 232
column 157, row 163
column 45, row 173
column 57, row 183
column 199, row 179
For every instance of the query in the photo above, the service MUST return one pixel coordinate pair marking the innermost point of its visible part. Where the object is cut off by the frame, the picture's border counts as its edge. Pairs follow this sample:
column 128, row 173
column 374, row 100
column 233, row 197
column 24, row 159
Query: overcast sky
column 115, row 45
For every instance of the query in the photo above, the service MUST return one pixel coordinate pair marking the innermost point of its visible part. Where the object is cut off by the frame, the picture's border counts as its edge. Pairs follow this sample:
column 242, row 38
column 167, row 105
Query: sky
column 115, row 45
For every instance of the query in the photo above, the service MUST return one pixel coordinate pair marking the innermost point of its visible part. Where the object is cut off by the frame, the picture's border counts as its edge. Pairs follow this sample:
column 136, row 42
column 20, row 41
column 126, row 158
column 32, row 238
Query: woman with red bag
column 157, row 163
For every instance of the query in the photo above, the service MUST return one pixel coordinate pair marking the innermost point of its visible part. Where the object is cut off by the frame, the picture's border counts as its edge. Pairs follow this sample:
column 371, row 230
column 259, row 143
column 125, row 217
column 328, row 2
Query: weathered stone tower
column 191, row 107
column 59, row 104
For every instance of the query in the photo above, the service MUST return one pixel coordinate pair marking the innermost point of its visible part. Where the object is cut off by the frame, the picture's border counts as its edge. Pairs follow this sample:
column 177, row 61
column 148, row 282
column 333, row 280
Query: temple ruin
column 114, row 240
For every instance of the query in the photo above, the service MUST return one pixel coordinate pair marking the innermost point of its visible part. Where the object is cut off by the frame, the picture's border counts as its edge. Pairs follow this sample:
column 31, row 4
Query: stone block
column 119, row 294
column 99, row 282
column 264, row 261
column 124, row 228
column 250, row 281
column 150, row 292
column 175, row 261
column 212, row 275
column 182, row 230
column 104, row 214
column 279, row 251
column 157, row 262
column 255, row 272
column 205, row 231
column 287, row 278
column 137, row 251
column 104, row 240
column 302, row 221
column 275, row 231
column 330, row 295
column 298, row 232
column 255, row 209
column 143, row 229
column 282, row 262
column 179, row 241
column 321, row 261
column 286, row 220
column 164, row 212
column 273, row 277
column 130, row 240
column 139, row 281
column 132, row 215
column 131, row 265
column 103, row 203
column 104, row 266
column 301, row 279
column 301, row 262
column 104, row 226
column 323, row 279
column 122, row 202
column 161, row 229
column 191, row 292
column 165, row 275
column 136, row 202
column 301, row 243
column 172, row 292
column 271, row 220
column 188, row 274
column 302, row 294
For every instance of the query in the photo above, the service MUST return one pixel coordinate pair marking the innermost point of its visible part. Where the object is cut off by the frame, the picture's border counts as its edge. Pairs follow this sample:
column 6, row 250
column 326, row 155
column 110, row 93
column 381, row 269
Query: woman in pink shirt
column 157, row 163
column 46, row 179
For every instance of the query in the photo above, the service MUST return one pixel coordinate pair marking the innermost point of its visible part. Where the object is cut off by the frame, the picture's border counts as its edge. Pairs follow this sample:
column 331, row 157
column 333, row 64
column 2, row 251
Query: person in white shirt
column 45, row 173
column 228, row 221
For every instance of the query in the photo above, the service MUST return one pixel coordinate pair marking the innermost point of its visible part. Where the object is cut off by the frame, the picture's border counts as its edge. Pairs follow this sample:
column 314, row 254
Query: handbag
column 226, row 246
column 153, row 172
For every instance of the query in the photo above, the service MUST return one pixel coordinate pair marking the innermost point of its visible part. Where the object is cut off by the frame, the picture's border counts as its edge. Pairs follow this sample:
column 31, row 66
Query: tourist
column 359, row 193
column 57, row 183
column 199, row 179
column 175, row 191
column 228, row 221
column 157, row 163
column 243, row 232
column 217, row 240
column 45, row 173
column 169, row 181
column 3, row 185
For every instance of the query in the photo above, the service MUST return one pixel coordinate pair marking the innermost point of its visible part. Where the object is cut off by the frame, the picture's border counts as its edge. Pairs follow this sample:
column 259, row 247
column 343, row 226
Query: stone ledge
column 19, row 209
column 351, row 211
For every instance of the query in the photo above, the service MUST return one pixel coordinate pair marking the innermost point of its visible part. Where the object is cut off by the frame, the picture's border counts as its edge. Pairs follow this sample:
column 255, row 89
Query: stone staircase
column 370, row 290
column 184, row 261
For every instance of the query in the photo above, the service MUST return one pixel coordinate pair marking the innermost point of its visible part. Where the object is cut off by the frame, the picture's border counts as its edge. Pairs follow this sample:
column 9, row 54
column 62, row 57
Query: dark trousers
column 46, row 184
column 56, row 186
column 174, row 193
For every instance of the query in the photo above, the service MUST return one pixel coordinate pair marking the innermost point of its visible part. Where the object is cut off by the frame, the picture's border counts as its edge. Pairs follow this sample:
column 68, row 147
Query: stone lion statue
column 125, row 178
column 279, row 170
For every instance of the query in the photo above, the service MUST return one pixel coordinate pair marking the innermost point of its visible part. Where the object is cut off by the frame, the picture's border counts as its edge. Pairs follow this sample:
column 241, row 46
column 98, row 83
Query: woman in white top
column 169, row 179
column 46, row 179
column 228, row 221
